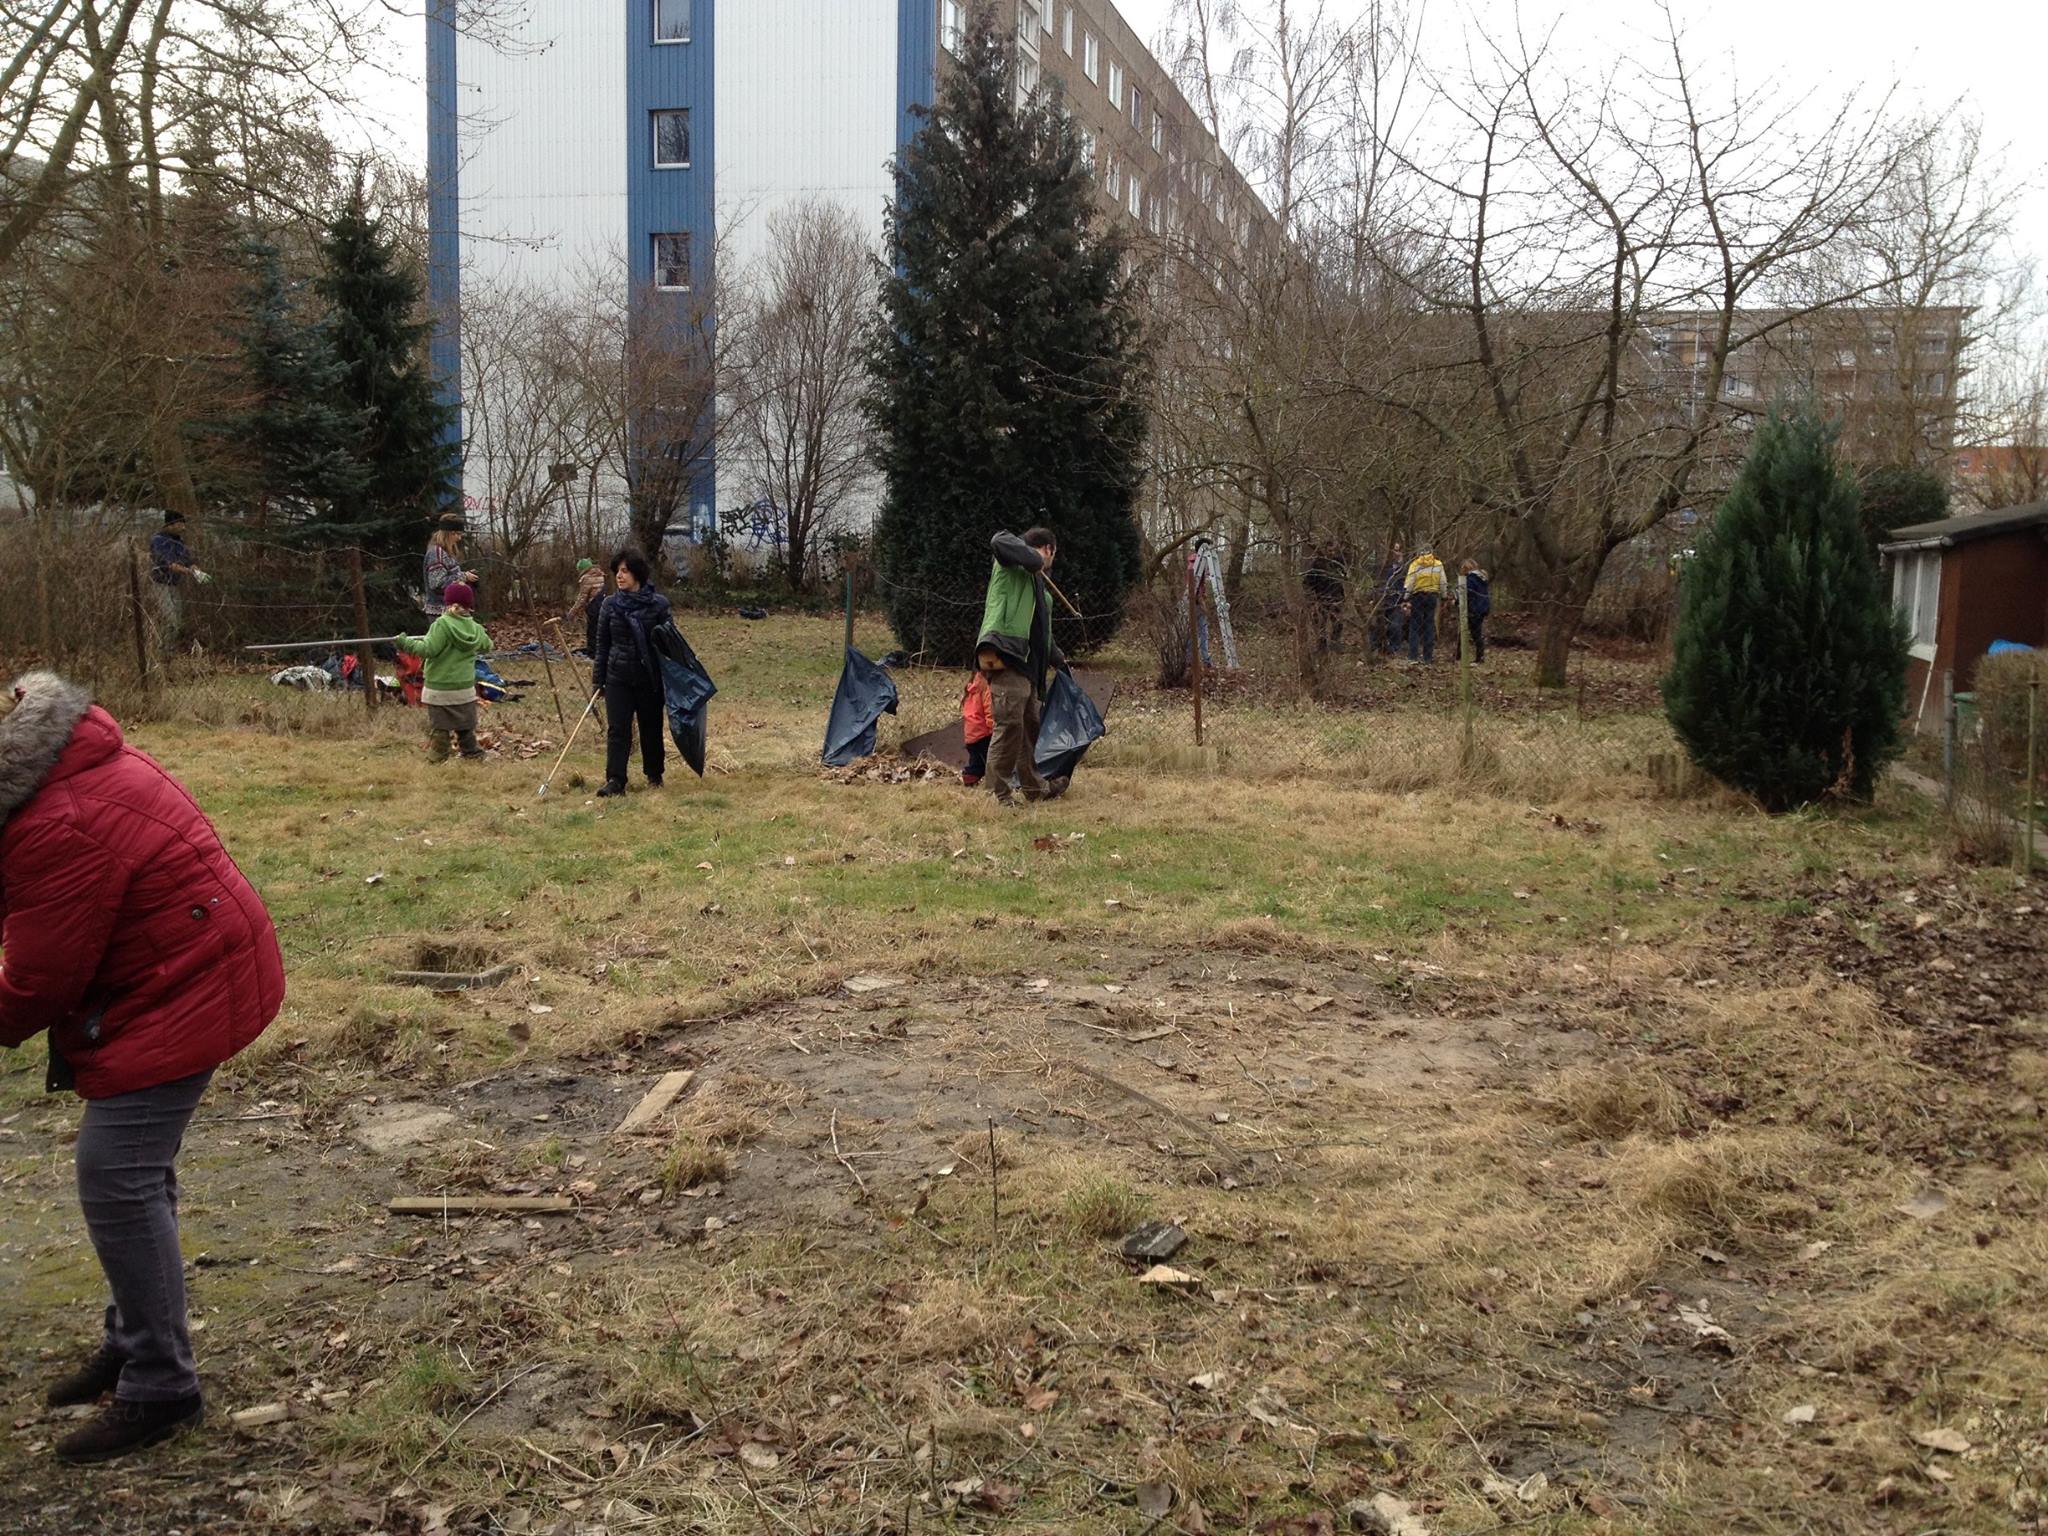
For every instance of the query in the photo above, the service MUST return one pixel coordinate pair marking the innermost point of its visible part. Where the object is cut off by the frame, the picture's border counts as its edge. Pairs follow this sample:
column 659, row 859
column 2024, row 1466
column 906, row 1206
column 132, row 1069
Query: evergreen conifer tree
column 1006, row 363
column 299, row 437
column 1788, row 669
column 380, row 340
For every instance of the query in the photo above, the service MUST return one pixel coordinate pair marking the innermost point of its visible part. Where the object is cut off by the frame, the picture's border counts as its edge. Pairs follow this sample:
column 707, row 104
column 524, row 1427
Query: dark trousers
column 1391, row 619
column 631, row 696
column 1422, row 625
column 128, row 1188
column 1476, row 623
column 1016, row 707
column 977, row 761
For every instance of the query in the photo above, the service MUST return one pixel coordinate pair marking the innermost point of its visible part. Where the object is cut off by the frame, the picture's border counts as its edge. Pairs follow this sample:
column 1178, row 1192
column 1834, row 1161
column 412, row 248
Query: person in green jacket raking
column 1015, row 650
column 450, row 648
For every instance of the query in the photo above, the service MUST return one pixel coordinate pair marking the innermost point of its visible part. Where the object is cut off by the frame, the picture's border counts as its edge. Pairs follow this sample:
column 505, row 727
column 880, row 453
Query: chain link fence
column 85, row 603
column 1994, row 761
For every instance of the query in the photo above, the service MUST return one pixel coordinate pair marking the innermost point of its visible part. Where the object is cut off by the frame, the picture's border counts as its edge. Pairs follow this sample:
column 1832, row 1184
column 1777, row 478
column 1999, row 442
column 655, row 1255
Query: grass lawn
column 1550, row 1156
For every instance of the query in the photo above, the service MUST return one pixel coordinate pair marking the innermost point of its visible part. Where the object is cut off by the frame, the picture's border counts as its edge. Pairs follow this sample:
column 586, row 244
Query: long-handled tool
column 544, row 783
column 346, row 643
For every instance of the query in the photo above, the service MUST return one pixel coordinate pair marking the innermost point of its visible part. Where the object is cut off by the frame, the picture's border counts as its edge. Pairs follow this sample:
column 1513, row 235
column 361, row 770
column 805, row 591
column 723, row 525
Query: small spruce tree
column 1005, row 364
column 1788, row 668
column 380, row 338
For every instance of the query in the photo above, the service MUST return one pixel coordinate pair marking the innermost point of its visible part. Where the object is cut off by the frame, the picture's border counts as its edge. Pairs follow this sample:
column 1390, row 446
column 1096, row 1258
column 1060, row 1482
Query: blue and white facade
column 626, row 141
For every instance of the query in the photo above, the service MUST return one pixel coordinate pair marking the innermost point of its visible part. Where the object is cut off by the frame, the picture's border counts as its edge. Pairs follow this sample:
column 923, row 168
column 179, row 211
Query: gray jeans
column 128, row 1188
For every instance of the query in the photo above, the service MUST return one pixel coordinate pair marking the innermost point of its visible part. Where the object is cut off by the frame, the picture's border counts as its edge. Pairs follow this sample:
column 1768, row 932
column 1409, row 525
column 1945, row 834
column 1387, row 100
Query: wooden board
column 656, row 1100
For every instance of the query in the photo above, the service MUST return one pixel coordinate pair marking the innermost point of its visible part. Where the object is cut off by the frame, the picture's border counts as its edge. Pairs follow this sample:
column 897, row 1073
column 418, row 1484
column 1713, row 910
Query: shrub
column 1788, row 668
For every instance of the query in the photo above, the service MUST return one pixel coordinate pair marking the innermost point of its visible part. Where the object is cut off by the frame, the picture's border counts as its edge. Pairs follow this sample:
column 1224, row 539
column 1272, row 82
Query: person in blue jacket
column 1478, row 604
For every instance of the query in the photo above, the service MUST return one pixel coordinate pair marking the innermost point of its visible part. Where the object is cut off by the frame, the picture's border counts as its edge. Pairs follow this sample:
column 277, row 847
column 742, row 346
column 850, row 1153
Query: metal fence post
column 2033, row 765
column 1948, row 740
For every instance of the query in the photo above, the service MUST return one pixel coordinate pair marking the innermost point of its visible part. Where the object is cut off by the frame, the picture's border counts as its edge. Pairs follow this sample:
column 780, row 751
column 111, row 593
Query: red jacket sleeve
column 63, row 893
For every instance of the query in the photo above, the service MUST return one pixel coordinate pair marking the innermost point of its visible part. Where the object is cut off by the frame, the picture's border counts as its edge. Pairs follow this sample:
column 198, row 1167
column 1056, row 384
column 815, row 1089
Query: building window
column 1088, row 151
column 1116, row 86
column 952, row 25
column 671, row 21
column 1158, row 134
column 1138, row 110
column 1137, row 204
column 672, row 262
column 672, row 138
column 1916, row 593
column 1091, row 58
column 1067, row 31
column 1115, row 179
column 1045, row 16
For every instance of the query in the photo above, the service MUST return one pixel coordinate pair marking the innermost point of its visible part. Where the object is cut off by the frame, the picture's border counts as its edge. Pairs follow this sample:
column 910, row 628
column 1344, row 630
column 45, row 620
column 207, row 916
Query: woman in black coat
column 627, row 672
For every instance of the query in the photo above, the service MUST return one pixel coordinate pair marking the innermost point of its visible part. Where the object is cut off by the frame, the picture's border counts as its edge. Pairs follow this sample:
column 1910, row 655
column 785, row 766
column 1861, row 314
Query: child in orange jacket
column 978, row 724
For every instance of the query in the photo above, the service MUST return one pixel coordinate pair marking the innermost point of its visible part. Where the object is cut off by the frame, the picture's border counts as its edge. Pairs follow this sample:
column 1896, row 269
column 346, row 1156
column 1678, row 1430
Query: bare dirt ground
column 1743, row 1233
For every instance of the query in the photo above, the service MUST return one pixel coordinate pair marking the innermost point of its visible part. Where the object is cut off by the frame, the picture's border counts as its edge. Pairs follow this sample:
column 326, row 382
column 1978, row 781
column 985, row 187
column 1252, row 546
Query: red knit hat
column 459, row 594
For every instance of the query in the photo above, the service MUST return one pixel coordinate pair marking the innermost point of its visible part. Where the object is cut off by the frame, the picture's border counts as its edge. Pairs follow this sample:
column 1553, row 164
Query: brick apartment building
column 633, row 138
column 1890, row 378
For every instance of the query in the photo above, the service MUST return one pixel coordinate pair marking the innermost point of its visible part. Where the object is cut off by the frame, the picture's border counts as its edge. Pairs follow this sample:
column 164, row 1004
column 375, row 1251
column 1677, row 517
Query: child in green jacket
column 450, row 649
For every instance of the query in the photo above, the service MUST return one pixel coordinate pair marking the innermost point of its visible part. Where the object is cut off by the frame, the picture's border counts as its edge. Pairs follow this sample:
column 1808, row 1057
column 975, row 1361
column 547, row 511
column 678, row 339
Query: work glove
column 201, row 577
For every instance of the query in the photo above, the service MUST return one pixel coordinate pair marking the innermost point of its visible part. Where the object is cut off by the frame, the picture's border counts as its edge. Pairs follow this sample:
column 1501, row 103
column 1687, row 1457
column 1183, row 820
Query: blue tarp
column 686, row 689
column 1069, row 725
column 866, row 693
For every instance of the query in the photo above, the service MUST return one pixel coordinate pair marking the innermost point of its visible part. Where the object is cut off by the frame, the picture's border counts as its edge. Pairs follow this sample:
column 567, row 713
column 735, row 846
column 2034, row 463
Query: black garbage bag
column 1068, row 726
column 866, row 693
column 686, row 690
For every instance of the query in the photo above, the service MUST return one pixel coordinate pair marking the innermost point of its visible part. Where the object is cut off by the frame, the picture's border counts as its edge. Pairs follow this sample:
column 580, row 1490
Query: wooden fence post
column 1195, row 649
column 365, row 662
column 135, row 613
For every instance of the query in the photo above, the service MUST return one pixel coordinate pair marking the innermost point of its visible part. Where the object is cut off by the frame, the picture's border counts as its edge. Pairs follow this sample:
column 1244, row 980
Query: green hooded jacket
column 1016, row 621
column 451, row 648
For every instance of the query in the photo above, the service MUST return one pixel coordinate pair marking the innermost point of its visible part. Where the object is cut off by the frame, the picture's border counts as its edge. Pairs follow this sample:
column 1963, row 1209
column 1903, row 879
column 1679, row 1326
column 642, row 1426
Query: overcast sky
column 1986, row 58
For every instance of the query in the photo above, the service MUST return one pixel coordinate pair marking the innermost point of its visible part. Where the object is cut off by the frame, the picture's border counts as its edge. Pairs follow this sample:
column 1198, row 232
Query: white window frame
column 1067, row 31
column 1116, row 86
column 672, row 234
column 1916, row 593
column 1113, row 178
column 1158, row 134
column 1138, row 109
column 1088, row 150
column 1091, row 57
column 1137, row 198
column 1045, row 9
column 654, row 133
column 689, row 21
column 952, row 25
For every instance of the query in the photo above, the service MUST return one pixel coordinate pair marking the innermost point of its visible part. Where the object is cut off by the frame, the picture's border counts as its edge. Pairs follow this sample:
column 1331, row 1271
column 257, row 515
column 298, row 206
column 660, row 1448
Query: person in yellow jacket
column 1426, row 584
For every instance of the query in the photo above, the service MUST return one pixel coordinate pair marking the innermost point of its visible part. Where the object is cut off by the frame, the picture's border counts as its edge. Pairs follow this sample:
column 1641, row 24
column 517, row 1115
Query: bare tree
column 796, row 383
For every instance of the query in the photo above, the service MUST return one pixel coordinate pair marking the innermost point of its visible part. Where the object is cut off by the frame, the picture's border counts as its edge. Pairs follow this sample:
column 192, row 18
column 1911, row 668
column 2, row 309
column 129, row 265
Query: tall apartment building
column 1891, row 378
column 634, row 138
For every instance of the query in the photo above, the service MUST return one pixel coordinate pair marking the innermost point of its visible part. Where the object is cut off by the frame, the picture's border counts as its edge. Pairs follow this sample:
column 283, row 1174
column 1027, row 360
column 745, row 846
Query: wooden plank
column 474, row 1205
column 658, row 1099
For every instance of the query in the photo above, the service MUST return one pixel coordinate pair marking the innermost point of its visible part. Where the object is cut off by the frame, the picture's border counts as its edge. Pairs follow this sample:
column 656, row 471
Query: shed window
column 1916, row 593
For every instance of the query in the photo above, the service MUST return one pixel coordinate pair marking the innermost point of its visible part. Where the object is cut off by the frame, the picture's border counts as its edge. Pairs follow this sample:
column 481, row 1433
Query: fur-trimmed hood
column 34, row 735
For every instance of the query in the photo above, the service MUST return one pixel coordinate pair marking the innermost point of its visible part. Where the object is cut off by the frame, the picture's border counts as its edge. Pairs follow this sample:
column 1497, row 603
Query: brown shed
column 1962, row 583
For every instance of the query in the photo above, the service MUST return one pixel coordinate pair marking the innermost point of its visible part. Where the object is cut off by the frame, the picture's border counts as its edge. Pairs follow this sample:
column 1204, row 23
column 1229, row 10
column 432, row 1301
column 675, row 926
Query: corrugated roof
column 1973, row 525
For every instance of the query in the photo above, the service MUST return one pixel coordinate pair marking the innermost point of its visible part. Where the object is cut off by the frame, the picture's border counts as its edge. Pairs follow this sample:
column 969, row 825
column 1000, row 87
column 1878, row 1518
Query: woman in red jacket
column 129, row 937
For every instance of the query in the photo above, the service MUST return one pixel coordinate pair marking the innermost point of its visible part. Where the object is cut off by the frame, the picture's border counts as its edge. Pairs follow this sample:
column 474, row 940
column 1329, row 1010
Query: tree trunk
column 1562, row 616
